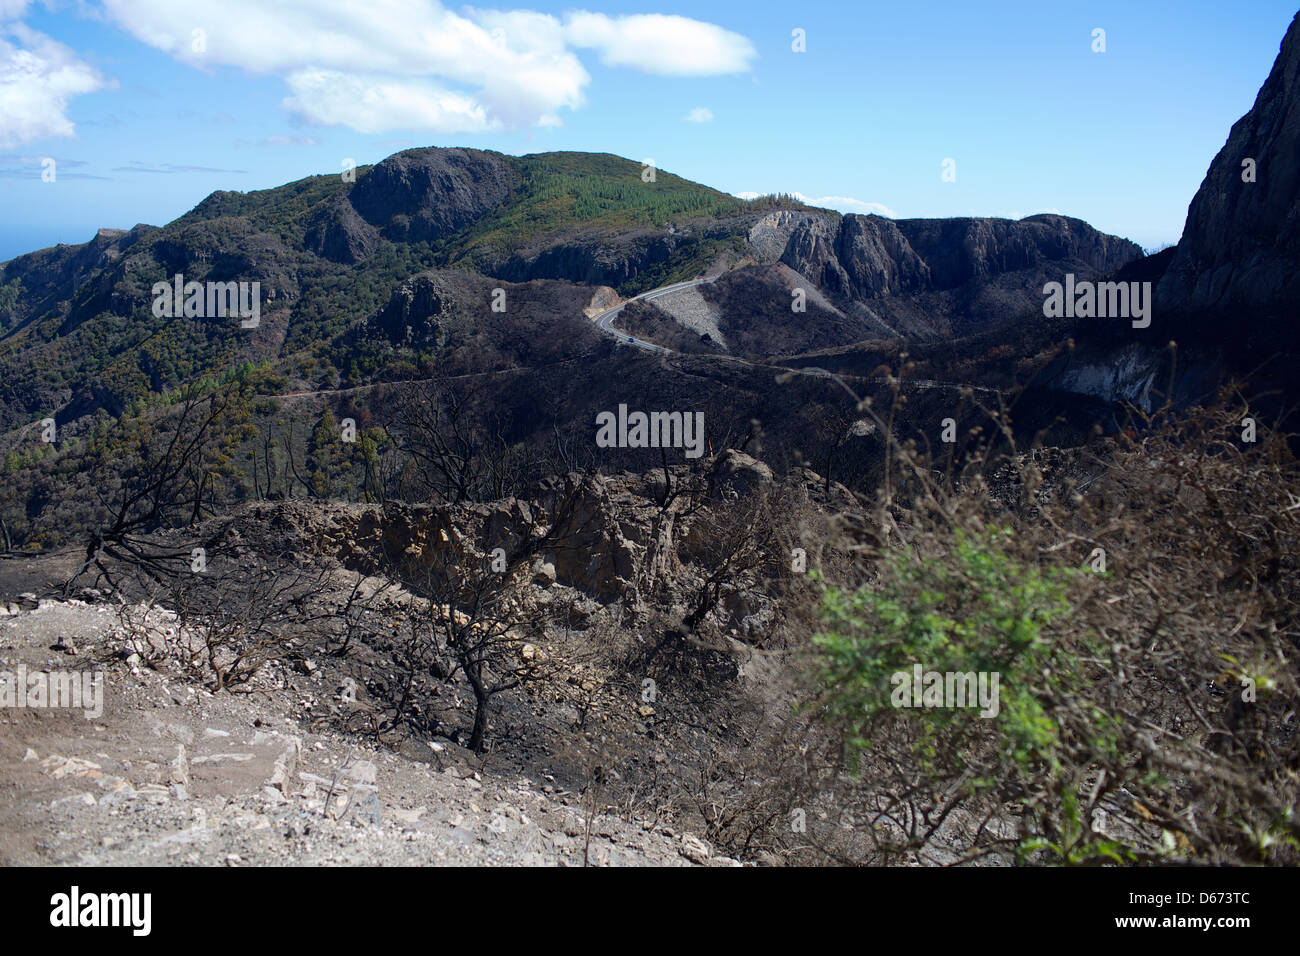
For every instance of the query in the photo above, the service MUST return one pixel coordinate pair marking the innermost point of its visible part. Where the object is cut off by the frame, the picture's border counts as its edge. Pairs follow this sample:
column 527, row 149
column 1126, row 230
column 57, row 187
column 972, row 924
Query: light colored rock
column 737, row 474
column 360, row 772
column 59, row 767
column 694, row 849
column 178, row 771
column 545, row 574
column 286, row 767
column 409, row 816
column 223, row 758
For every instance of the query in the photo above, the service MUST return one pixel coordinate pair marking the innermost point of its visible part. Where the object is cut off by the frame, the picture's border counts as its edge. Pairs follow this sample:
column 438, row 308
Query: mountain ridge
column 330, row 254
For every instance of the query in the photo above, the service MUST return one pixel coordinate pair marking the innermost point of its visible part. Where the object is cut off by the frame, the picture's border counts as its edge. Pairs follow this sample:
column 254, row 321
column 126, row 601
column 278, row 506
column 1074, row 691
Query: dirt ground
column 172, row 774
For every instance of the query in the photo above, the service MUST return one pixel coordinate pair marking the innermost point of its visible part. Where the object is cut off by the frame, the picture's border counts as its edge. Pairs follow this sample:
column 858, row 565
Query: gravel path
column 171, row 774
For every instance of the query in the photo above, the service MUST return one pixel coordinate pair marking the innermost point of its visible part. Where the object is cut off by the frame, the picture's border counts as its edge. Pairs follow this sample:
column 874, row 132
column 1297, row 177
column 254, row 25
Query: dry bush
column 235, row 616
column 472, row 626
column 1147, row 710
column 727, row 545
column 601, row 753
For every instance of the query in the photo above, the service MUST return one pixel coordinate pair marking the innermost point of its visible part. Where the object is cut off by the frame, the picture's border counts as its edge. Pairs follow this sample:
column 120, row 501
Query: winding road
column 604, row 321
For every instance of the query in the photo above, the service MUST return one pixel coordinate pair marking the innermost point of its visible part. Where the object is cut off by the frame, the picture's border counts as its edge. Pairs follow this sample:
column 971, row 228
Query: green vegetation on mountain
column 568, row 193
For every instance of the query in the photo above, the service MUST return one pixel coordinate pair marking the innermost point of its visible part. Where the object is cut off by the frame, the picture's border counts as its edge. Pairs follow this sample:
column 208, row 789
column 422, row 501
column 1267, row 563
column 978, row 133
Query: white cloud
column 374, row 105
column 1017, row 215
column 839, row 203
column 666, row 45
column 848, row 204
column 38, row 76
column 394, row 64
column 414, row 64
column 701, row 114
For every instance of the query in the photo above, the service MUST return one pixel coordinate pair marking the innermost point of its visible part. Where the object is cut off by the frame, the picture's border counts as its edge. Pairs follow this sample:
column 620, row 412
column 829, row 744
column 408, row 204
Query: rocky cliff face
column 337, row 232
column 414, row 310
column 59, row 272
column 957, row 251
column 1227, row 294
column 770, row 234
column 606, row 537
column 594, row 262
column 868, row 257
column 1241, row 244
column 861, row 257
column 930, row 277
column 414, row 196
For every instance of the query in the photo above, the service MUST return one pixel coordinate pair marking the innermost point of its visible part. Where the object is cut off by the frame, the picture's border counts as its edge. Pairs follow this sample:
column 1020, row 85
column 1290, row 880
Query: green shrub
column 977, row 609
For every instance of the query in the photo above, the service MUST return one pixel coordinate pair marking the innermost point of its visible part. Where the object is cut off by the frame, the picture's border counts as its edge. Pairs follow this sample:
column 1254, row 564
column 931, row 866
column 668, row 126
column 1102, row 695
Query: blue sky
column 142, row 124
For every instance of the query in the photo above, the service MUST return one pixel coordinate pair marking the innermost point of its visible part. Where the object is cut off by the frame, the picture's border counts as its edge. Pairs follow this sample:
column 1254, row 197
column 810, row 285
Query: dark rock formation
column 863, row 257
column 869, row 257
column 769, row 236
column 58, row 273
column 736, row 475
column 1240, row 249
column 428, row 194
column 605, row 261
column 1227, row 294
column 879, row 259
column 414, row 310
column 963, row 250
column 337, row 232
column 932, row 278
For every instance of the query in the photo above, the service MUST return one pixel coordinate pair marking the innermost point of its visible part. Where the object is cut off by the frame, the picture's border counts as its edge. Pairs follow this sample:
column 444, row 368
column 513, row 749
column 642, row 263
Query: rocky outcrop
column 736, row 475
column 1227, row 293
column 336, row 231
column 427, row 194
column 769, row 236
column 1241, row 243
column 810, row 252
column 958, row 251
column 601, row 260
column 414, row 310
column 931, row 278
column 879, row 259
column 59, row 272
column 867, row 257
column 597, row 545
column 596, row 540
column 607, row 537
column 592, row 263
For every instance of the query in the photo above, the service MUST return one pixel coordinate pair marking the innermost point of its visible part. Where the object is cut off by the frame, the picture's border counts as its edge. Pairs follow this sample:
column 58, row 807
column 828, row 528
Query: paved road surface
column 605, row 319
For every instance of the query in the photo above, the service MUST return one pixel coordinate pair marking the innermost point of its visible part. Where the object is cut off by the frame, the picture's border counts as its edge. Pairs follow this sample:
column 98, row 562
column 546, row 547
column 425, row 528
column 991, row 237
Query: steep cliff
column 940, row 277
column 1240, row 249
